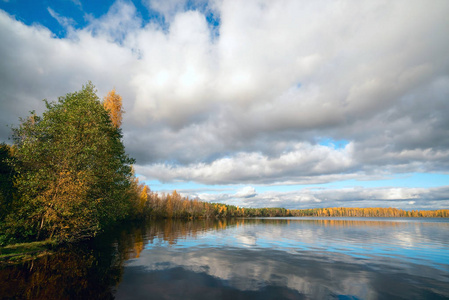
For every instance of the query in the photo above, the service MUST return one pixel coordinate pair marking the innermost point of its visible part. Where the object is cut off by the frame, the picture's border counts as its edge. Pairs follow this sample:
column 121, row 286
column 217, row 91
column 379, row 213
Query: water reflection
column 66, row 274
column 92, row 270
column 278, row 258
column 246, row 259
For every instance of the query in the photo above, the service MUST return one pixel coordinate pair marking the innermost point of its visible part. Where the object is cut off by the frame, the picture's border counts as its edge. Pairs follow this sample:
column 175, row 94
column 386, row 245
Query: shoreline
column 21, row 252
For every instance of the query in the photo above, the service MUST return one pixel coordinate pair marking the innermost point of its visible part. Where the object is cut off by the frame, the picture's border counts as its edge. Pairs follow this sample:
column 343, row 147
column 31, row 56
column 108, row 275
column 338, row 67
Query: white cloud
column 167, row 8
column 77, row 3
column 63, row 21
column 250, row 104
column 120, row 21
column 404, row 198
column 305, row 163
column 246, row 192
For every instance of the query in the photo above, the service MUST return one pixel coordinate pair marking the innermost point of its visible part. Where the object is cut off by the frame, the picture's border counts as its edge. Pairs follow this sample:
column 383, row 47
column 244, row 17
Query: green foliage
column 24, row 251
column 6, row 180
column 72, row 173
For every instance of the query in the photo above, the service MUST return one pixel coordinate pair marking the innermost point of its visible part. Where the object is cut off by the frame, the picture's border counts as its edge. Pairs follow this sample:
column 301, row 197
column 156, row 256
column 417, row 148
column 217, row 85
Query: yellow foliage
column 143, row 197
column 113, row 104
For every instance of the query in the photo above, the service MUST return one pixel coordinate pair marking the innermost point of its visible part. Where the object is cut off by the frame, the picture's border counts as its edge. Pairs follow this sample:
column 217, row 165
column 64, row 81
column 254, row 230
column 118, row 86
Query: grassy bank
column 17, row 253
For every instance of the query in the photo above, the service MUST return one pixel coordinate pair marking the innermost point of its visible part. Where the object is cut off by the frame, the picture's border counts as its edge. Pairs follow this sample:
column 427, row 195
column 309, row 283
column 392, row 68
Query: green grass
column 17, row 253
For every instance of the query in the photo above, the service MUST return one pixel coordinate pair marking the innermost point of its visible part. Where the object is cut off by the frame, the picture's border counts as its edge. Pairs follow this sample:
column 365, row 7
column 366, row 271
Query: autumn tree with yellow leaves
column 112, row 102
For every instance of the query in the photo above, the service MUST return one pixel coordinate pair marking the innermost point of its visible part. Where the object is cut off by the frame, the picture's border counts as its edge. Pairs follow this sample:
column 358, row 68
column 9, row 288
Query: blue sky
column 254, row 103
column 81, row 12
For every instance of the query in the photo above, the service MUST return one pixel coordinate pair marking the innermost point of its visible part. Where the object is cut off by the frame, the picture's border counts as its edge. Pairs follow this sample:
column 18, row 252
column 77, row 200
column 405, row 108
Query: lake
column 266, row 258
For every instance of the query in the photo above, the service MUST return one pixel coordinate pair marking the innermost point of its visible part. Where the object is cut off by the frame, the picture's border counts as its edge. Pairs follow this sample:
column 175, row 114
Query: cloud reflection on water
column 301, row 258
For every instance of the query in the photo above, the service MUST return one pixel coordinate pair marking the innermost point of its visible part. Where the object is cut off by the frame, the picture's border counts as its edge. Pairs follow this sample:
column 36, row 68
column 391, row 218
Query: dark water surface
column 272, row 258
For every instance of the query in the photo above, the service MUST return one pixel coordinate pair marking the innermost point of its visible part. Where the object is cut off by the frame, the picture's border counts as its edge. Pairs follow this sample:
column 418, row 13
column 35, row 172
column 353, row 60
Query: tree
column 72, row 171
column 6, row 180
column 113, row 104
column 139, row 198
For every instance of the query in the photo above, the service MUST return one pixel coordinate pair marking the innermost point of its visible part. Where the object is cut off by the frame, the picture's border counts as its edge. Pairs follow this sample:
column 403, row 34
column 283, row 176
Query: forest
column 175, row 206
column 66, row 177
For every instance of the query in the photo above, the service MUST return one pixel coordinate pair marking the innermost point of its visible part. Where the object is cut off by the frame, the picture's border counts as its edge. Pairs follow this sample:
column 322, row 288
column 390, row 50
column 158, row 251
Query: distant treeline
column 175, row 206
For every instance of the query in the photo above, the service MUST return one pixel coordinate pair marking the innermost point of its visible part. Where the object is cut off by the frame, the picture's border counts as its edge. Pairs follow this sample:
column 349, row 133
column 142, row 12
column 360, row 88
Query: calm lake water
column 270, row 258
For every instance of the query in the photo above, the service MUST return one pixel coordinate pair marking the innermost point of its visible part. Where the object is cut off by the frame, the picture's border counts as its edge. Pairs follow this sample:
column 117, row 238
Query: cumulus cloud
column 404, row 198
column 303, row 164
column 251, row 103
column 246, row 192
